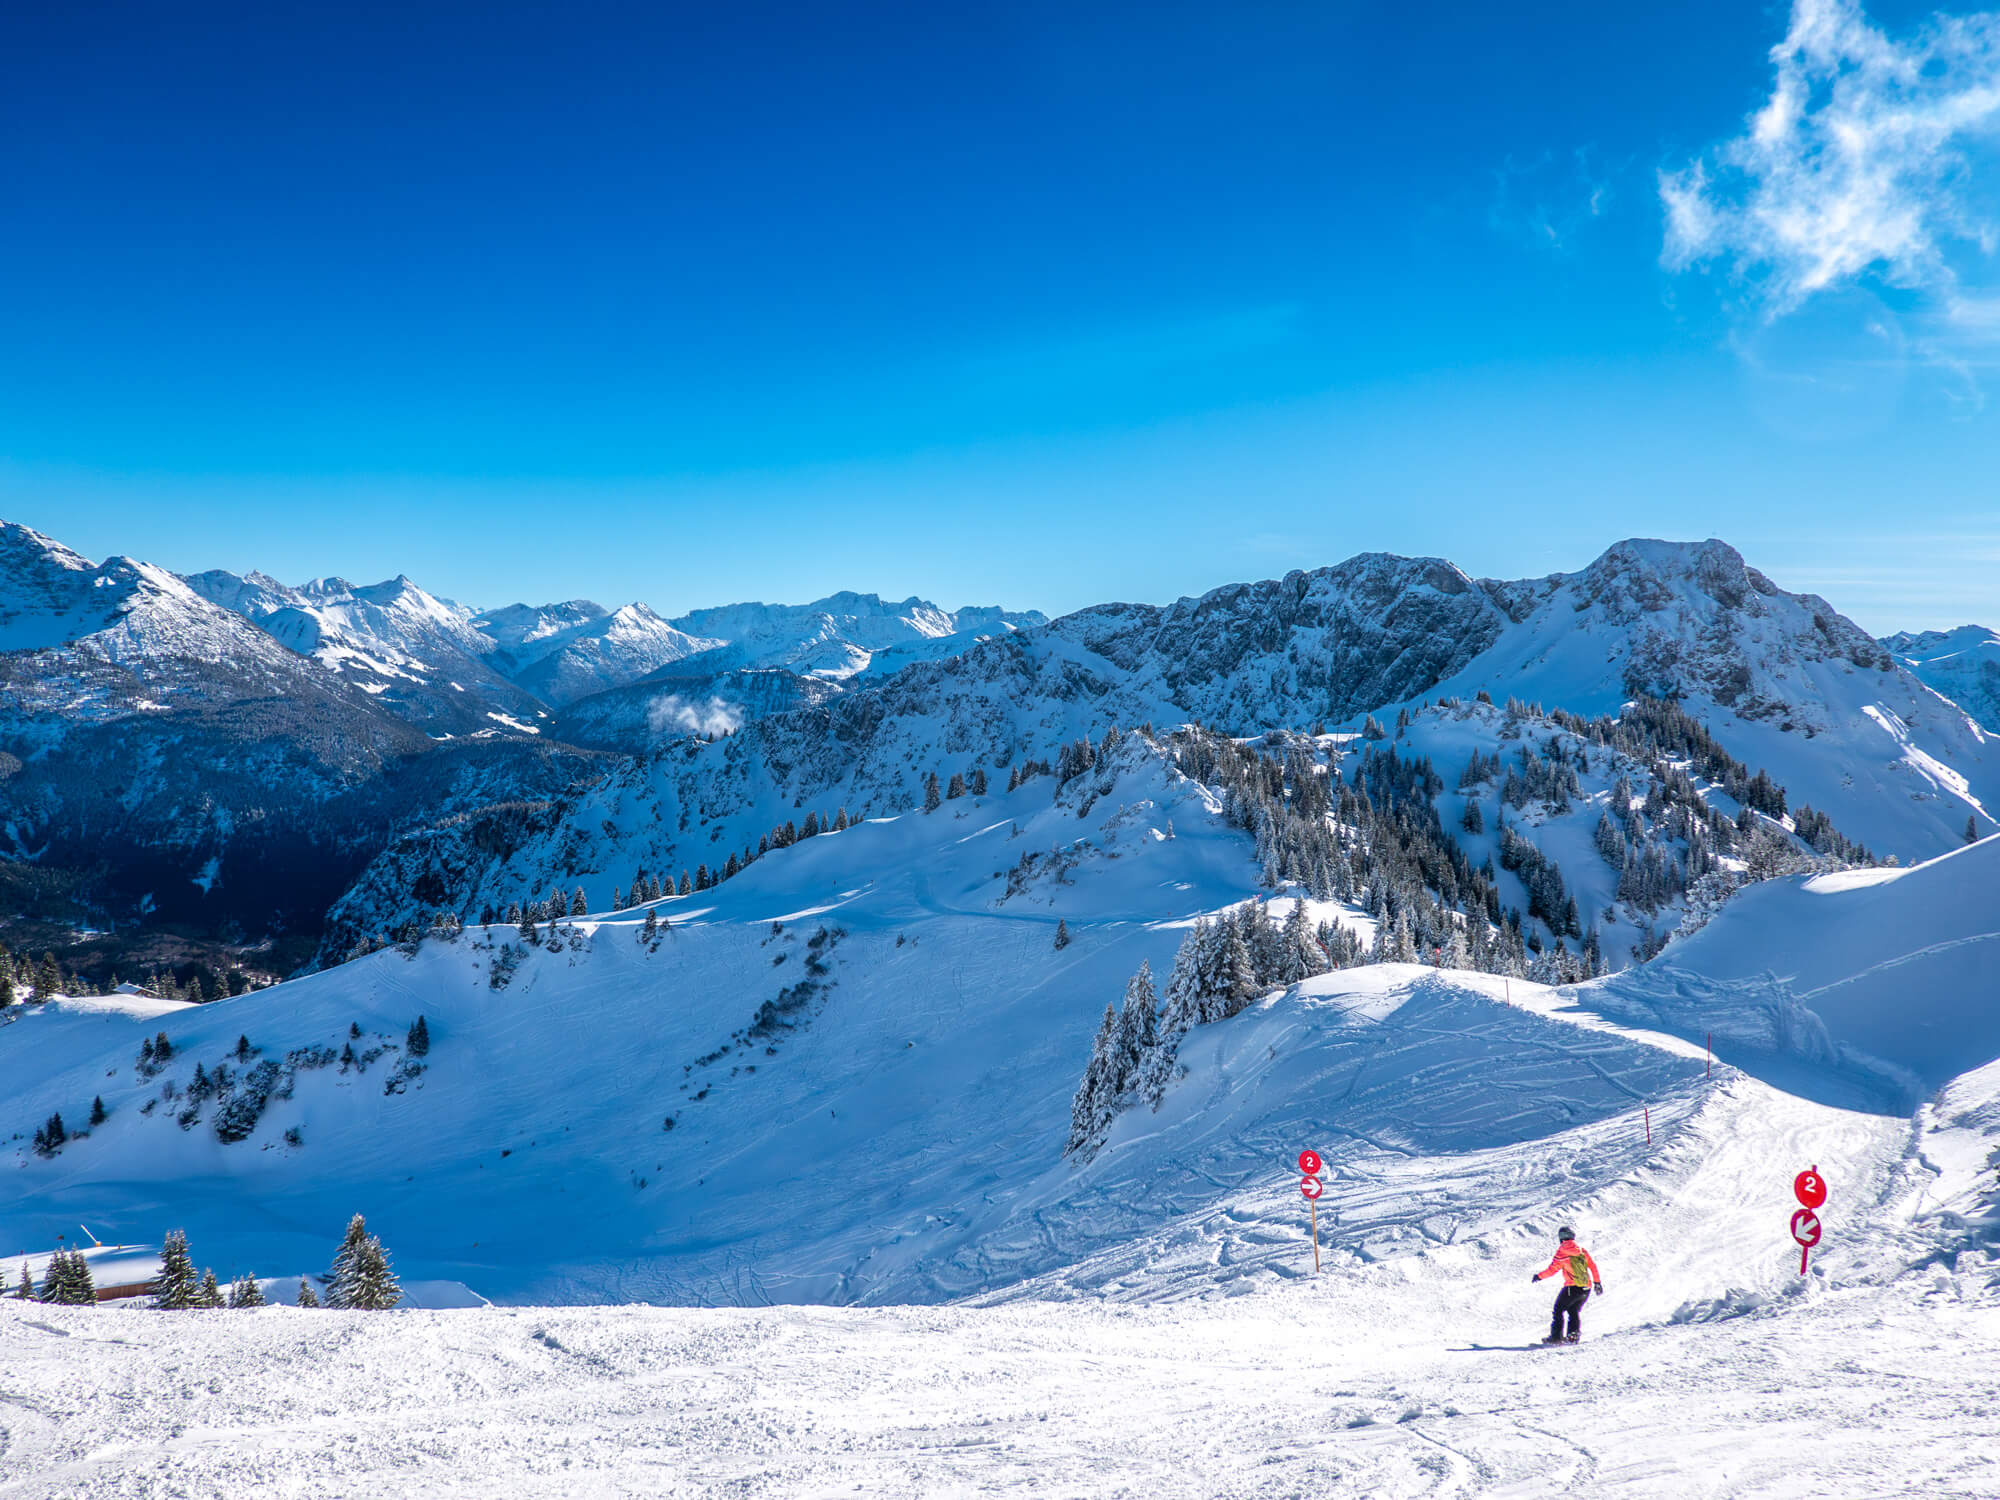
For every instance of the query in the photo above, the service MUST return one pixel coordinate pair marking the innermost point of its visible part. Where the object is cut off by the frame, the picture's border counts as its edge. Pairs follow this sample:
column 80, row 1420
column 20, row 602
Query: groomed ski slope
column 1145, row 1323
column 1402, row 1370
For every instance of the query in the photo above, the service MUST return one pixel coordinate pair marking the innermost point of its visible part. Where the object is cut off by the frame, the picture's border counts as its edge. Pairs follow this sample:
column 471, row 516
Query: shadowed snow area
column 1891, row 976
column 867, row 1044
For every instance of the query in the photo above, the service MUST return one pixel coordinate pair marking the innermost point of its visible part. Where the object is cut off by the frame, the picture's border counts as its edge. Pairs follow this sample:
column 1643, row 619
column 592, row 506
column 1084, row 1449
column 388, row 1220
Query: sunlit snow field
column 889, row 1282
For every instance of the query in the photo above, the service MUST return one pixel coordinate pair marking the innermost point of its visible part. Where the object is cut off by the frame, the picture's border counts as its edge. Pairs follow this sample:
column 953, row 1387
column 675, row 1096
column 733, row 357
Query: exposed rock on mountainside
column 1785, row 680
column 1325, row 645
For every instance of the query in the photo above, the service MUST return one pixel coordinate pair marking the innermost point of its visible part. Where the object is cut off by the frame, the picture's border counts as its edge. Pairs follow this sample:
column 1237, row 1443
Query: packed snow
column 990, row 1315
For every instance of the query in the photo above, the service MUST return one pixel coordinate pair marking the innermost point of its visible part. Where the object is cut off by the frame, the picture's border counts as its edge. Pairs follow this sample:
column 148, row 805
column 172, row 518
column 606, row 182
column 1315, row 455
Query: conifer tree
column 840, row 821
column 307, row 1296
column 79, row 1289
column 210, row 1294
column 957, row 787
column 98, row 1113
column 177, row 1286
column 371, row 1286
column 1301, row 955
column 340, row 1274
column 418, row 1043
column 933, row 798
column 686, row 886
column 245, row 1292
column 976, row 782
column 55, row 1278
column 578, row 907
column 1971, row 832
column 651, row 929
column 48, row 978
column 1062, row 934
column 26, row 1291
column 6, row 981
column 1090, row 1111
column 1137, row 1032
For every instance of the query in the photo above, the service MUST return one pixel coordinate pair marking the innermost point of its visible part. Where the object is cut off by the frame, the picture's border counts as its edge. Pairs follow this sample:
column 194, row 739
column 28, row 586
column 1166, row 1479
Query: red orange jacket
column 1575, row 1264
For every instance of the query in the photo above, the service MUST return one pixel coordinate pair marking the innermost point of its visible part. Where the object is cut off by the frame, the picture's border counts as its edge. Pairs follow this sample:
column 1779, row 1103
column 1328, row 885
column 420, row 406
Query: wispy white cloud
column 1546, row 202
column 1869, row 160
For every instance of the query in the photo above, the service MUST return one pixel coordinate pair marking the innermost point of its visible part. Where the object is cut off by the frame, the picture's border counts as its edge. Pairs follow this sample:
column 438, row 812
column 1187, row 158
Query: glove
column 1599, row 1289
column 1534, row 1279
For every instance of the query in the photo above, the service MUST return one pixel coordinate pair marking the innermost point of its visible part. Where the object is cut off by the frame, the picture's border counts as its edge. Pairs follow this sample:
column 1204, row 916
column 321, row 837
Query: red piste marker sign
column 1310, row 1189
column 1810, row 1189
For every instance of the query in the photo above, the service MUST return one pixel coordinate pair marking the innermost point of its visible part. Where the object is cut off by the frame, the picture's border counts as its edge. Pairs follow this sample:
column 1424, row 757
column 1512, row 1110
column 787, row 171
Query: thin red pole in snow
column 1708, row 1069
column 1649, row 1124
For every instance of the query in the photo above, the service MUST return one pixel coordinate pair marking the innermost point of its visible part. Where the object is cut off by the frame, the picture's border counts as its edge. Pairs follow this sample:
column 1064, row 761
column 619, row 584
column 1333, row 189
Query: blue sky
column 1037, row 304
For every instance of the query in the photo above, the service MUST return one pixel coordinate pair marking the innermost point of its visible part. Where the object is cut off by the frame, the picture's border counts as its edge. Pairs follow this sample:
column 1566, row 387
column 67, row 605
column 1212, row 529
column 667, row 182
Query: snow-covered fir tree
column 1092, row 1110
column 360, row 1277
column 245, row 1292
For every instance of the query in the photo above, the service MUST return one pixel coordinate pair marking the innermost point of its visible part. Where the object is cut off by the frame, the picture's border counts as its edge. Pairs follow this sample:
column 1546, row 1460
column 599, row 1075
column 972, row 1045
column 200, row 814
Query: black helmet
column 1565, row 1233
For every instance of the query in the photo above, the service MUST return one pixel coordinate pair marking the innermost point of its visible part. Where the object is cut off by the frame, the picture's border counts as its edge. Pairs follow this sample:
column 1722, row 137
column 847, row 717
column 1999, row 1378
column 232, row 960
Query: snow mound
column 1895, row 971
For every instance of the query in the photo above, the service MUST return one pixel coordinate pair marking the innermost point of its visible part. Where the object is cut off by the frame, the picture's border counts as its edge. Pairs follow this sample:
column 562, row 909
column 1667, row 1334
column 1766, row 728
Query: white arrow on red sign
column 1310, row 1187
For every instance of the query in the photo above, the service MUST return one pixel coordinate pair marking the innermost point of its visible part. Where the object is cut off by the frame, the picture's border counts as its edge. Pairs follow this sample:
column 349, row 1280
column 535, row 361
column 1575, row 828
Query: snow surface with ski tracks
column 993, row 1319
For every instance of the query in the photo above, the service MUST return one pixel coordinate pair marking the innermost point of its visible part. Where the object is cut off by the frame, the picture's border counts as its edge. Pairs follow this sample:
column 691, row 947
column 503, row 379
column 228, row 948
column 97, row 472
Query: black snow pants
column 1569, row 1304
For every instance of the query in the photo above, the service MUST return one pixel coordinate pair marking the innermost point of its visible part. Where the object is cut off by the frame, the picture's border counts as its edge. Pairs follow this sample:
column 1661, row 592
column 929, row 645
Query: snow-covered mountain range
column 1962, row 664
column 852, row 701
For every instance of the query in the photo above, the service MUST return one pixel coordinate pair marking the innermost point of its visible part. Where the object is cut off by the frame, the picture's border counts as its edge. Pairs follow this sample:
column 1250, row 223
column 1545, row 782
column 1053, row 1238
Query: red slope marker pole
column 1649, row 1124
column 1708, row 1069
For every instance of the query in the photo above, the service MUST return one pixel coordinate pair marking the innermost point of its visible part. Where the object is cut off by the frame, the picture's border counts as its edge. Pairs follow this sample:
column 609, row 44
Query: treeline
column 360, row 1279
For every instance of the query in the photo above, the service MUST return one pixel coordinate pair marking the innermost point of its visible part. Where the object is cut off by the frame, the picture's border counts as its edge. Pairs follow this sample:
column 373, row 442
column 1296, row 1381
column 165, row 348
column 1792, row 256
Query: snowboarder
column 1580, row 1279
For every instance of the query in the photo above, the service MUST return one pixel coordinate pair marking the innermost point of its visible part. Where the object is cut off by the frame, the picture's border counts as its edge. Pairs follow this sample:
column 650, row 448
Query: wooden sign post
column 1310, row 1189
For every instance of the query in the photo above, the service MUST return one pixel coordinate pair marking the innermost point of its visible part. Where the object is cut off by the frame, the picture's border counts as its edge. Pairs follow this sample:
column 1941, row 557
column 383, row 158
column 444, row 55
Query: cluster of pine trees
column 1374, row 840
column 25, row 978
column 1222, row 966
column 66, row 1280
column 360, row 1278
column 960, row 784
